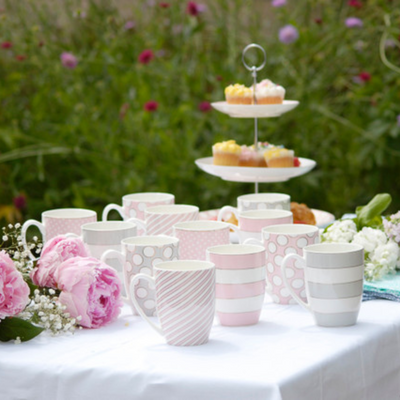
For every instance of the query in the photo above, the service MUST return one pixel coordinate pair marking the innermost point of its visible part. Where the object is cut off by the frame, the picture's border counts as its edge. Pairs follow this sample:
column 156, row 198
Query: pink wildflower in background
column 14, row 291
column 145, row 56
column 364, row 76
column 288, row 34
column 20, row 57
column 318, row 21
column 6, row 45
column 195, row 9
column 19, row 202
column 151, row 106
column 278, row 3
column 205, row 106
column 68, row 60
column 355, row 3
column 353, row 22
column 129, row 25
column 164, row 5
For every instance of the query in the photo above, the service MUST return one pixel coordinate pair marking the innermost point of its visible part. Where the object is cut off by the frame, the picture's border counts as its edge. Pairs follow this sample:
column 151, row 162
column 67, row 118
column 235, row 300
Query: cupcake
column 250, row 157
column 226, row 153
column 268, row 92
column 238, row 94
column 278, row 157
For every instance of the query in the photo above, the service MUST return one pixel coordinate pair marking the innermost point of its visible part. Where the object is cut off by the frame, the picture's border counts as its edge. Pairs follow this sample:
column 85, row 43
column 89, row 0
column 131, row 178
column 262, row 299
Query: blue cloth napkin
column 387, row 288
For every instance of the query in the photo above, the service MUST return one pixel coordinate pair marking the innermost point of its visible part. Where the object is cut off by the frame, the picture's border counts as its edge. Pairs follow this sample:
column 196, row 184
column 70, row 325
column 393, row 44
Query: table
column 284, row 357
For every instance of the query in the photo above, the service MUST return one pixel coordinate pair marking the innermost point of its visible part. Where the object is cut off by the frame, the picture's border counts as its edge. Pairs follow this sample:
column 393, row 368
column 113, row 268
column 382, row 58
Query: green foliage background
column 64, row 142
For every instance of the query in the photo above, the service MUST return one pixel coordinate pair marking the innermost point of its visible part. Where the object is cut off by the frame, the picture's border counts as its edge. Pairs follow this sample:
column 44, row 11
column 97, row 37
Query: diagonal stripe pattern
column 161, row 224
column 186, row 305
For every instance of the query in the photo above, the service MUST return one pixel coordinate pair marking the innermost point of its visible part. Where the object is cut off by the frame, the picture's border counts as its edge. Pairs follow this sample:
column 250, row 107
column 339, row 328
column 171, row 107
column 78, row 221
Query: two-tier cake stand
column 252, row 174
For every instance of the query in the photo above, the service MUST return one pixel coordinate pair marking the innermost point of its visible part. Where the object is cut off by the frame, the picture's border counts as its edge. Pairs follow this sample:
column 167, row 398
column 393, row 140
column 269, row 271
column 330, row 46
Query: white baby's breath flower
column 5, row 238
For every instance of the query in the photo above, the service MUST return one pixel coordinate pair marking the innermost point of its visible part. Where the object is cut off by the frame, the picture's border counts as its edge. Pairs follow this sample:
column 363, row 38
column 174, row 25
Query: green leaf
column 12, row 327
column 370, row 215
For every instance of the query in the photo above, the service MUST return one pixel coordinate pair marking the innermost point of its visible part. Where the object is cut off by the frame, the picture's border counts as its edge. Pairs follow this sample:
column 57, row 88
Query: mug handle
column 227, row 209
column 260, row 243
column 141, row 224
column 121, row 258
column 25, row 226
column 110, row 207
column 285, row 281
column 150, row 279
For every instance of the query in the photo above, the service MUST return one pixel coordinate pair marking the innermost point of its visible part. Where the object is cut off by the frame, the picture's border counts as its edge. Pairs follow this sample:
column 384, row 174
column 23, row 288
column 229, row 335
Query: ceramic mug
column 160, row 220
column 140, row 255
column 334, row 275
column 280, row 240
column 240, row 279
column 185, row 293
column 196, row 236
column 134, row 205
column 58, row 222
column 250, row 223
column 257, row 201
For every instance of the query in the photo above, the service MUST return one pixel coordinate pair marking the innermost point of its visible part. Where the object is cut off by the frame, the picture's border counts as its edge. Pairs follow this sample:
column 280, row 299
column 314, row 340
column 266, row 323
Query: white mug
column 257, row 201
column 334, row 275
column 58, row 222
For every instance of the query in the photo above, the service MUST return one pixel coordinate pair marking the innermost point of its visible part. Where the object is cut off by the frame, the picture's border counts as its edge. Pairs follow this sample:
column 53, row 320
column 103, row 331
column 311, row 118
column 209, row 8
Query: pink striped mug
column 160, row 220
column 240, row 279
column 185, row 300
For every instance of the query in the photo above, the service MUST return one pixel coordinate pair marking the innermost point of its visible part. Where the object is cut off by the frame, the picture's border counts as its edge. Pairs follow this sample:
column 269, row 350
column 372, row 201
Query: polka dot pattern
column 277, row 247
column 61, row 226
column 141, row 259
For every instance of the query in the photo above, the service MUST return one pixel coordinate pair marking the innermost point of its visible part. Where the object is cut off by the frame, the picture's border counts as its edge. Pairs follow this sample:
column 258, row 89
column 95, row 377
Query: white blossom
column 340, row 232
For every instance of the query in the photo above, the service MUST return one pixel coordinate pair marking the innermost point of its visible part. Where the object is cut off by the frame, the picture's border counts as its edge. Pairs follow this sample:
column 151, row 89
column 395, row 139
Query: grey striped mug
column 334, row 275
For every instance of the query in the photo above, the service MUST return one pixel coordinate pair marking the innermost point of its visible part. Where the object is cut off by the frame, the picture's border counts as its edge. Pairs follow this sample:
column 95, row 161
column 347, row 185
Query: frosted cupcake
column 250, row 157
column 268, row 92
column 277, row 157
column 226, row 153
column 238, row 94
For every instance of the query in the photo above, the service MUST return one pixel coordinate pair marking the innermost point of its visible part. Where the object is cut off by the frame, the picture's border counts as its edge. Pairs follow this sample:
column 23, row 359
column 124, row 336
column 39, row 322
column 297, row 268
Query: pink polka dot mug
column 139, row 255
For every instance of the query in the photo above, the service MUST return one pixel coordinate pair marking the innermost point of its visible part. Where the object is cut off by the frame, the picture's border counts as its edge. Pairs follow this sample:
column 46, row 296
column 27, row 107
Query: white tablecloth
column 285, row 357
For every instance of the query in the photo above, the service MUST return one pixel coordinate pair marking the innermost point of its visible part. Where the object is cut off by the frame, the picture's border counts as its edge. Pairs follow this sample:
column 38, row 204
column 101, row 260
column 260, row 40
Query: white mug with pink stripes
column 58, row 222
column 160, row 220
column 134, row 205
column 251, row 222
column 196, row 236
column 240, row 282
column 185, row 300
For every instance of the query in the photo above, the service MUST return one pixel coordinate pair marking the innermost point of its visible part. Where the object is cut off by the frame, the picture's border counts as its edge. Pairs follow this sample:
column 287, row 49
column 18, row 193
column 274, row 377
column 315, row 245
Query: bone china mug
column 334, row 275
column 160, row 220
column 240, row 278
column 133, row 205
column 196, row 236
column 257, row 201
column 59, row 222
column 185, row 293
column 280, row 240
column 139, row 255
column 251, row 222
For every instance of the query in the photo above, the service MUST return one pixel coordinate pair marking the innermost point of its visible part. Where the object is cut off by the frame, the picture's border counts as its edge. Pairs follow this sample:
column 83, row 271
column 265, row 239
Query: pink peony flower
column 90, row 289
column 6, row 45
column 54, row 253
column 205, row 106
column 145, row 56
column 288, row 34
column 353, row 22
column 68, row 60
column 151, row 106
column 14, row 291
